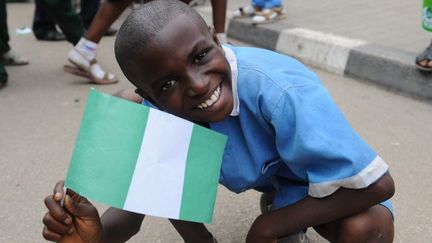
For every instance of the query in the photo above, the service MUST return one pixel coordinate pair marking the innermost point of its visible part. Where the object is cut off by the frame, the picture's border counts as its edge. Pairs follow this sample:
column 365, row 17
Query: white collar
column 232, row 61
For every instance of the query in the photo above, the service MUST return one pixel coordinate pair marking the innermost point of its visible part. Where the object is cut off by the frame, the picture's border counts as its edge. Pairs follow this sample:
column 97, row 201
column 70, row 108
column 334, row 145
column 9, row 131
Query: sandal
column 269, row 16
column 79, row 71
column 12, row 58
column 87, row 68
column 245, row 12
column 426, row 55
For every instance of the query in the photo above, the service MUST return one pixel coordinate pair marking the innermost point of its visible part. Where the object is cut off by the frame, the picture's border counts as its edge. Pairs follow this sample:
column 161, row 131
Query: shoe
column 425, row 56
column 87, row 68
column 50, row 35
column 110, row 31
column 12, row 58
column 268, row 16
column 245, row 12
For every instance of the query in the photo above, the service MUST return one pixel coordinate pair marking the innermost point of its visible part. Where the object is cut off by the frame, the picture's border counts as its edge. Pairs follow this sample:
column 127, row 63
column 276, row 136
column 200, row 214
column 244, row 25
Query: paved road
column 41, row 108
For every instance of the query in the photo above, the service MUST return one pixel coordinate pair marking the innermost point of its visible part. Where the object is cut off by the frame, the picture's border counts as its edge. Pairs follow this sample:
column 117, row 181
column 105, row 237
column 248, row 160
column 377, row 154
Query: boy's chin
column 216, row 116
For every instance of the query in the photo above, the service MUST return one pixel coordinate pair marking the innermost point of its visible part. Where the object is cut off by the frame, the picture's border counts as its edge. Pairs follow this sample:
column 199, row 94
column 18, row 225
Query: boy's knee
column 374, row 225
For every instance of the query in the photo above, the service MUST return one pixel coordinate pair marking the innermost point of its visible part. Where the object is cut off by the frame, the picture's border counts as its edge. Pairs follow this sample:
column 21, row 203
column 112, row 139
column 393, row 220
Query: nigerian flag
column 140, row 159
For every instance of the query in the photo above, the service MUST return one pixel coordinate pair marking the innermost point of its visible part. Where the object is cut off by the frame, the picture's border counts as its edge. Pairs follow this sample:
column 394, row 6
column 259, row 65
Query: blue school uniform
column 285, row 133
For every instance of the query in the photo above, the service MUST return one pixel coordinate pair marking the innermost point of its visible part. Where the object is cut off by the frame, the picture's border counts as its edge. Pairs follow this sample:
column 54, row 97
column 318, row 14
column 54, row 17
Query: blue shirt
column 286, row 133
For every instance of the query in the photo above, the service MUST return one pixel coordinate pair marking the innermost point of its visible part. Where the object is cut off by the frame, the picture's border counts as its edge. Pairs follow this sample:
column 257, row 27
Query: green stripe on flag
column 201, row 175
column 107, row 148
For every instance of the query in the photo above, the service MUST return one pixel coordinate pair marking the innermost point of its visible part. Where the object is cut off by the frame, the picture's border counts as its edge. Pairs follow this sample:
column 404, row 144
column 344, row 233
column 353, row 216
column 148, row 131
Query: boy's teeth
column 213, row 98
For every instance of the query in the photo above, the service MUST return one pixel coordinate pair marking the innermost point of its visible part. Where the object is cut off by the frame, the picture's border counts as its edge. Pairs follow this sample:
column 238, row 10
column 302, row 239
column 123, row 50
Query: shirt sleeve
column 318, row 145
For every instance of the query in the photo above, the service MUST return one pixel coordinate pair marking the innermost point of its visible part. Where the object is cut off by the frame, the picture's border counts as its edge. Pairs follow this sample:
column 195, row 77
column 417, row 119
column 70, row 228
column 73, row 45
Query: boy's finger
column 80, row 208
column 55, row 226
column 51, row 236
column 56, row 210
column 73, row 194
column 58, row 191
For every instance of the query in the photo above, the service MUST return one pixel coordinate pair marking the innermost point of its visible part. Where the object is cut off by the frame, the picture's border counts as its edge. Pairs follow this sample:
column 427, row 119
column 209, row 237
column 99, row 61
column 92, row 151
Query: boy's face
column 184, row 71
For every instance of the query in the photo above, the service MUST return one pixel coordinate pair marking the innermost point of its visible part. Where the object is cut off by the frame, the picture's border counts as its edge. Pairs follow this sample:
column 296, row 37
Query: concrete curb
column 385, row 66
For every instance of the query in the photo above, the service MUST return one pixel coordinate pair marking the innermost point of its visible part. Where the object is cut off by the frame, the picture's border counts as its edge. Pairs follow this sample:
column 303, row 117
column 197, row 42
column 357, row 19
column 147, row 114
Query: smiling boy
column 285, row 134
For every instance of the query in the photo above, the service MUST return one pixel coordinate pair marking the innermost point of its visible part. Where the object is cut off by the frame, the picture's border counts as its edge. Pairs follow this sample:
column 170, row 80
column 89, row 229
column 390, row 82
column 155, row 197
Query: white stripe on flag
column 149, row 192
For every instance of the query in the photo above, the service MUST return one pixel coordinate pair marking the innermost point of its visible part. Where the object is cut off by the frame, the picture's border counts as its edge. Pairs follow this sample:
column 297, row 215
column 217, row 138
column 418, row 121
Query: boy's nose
column 198, row 85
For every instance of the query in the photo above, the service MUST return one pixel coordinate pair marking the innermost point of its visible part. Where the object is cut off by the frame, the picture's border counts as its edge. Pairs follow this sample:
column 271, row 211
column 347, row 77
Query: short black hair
column 143, row 24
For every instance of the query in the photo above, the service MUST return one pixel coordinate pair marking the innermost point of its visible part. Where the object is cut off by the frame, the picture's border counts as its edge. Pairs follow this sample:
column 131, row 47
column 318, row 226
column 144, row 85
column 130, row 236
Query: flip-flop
column 426, row 55
column 77, row 70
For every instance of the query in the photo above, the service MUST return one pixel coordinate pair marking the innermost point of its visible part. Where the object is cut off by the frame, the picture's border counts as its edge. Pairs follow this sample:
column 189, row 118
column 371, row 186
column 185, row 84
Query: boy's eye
column 198, row 58
column 168, row 85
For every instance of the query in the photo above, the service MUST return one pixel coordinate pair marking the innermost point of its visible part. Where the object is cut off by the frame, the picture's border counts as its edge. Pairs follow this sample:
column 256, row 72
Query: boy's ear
column 214, row 36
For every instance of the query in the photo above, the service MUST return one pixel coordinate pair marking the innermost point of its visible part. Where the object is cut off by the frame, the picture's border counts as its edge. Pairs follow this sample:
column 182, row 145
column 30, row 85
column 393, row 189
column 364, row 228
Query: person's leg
column 108, row 12
column 7, row 55
column 372, row 225
column 192, row 232
column 42, row 20
column 4, row 34
column 44, row 26
column 3, row 75
column 219, row 14
column 4, row 39
column 120, row 225
column 83, row 55
column 88, row 11
column 66, row 18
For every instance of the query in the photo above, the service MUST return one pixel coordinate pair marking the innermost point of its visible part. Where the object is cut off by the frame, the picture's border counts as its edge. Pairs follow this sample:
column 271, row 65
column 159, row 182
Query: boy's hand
column 76, row 221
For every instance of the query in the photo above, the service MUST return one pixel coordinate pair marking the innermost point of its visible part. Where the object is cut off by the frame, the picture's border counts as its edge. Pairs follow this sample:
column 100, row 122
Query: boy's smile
column 184, row 71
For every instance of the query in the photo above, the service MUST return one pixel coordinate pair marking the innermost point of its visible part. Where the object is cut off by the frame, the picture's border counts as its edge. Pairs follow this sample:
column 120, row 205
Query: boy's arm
column 315, row 211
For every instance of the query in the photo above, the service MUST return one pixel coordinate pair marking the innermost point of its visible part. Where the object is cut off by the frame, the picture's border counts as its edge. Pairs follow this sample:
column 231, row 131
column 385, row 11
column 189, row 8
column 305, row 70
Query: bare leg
column 372, row 225
column 108, row 12
column 219, row 14
column 192, row 232
column 119, row 225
